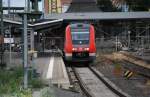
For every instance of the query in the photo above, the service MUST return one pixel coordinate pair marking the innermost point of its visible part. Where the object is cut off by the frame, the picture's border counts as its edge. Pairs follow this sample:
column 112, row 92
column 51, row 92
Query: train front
column 80, row 43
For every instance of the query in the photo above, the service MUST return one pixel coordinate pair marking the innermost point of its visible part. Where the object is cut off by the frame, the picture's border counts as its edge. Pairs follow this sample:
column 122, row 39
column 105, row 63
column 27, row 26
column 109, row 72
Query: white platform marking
column 50, row 68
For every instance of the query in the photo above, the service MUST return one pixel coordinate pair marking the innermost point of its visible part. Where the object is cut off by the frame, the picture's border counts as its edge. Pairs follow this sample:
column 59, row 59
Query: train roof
column 80, row 25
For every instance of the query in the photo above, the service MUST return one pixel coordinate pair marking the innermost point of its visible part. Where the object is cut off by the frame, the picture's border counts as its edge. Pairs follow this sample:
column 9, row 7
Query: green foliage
column 21, row 93
column 134, row 5
column 106, row 5
column 11, row 83
column 36, row 83
column 138, row 5
column 47, row 92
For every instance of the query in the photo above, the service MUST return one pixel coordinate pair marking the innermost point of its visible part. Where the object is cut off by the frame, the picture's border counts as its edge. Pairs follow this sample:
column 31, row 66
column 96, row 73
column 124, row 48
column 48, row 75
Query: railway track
column 132, row 63
column 93, row 84
column 136, row 83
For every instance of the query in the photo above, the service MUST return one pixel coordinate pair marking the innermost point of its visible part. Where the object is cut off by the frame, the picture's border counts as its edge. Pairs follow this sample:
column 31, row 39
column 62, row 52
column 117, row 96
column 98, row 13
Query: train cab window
column 80, row 38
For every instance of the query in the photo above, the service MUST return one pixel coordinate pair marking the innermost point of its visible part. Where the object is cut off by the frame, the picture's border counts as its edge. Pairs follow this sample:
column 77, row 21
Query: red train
column 80, row 43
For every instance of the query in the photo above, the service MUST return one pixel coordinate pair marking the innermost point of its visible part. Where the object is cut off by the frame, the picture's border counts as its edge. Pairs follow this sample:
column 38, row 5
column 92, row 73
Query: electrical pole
column 28, row 5
column 35, row 5
column 116, row 43
column 25, row 47
column 10, row 42
column 1, row 16
column 9, row 8
column 129, row 39
column 1, row 32
column 142, row 40
column 25, row 39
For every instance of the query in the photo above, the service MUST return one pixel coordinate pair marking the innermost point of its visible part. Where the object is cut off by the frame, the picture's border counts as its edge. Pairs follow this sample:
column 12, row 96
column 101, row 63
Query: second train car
column 80, row 43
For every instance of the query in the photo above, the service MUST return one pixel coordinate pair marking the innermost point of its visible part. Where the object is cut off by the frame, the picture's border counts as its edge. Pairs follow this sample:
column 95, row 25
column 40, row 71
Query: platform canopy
column 42, row 24
column 100, row 16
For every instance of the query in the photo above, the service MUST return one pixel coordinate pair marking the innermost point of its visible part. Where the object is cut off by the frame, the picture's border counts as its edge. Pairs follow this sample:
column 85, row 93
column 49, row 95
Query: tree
column 106, row 5
column 138, row 5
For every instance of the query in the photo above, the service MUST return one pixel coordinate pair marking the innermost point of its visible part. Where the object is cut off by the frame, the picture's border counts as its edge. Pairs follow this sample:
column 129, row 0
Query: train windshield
column 79, row 38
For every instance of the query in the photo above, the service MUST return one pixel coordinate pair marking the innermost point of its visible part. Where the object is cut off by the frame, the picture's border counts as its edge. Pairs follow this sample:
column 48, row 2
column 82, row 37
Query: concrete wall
column 16, row 59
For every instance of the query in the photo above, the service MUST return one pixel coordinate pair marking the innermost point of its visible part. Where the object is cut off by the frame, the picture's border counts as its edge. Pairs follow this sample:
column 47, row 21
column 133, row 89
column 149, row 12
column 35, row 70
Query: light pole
column 129, row 39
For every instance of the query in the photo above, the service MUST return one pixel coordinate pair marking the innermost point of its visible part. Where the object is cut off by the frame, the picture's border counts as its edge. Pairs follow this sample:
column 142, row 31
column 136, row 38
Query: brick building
column 55, row 6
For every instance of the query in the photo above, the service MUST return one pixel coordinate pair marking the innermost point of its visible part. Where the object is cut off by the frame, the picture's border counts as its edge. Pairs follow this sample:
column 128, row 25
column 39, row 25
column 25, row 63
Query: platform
column 53, row 70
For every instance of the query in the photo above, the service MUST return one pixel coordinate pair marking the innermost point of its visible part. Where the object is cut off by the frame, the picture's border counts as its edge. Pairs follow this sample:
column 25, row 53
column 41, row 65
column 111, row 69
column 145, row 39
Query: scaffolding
column 133, row 35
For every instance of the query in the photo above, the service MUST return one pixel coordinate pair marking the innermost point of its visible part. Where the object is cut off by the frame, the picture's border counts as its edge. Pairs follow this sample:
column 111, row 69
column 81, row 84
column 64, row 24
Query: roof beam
column 35, row 24
column 100, row 16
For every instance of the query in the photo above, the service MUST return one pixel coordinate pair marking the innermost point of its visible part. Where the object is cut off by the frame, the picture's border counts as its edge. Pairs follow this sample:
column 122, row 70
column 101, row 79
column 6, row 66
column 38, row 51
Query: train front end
column 80, row 43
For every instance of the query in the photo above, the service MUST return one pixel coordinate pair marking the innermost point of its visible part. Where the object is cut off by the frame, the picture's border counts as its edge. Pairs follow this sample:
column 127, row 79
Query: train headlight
column 87, row 49
column 74, row 49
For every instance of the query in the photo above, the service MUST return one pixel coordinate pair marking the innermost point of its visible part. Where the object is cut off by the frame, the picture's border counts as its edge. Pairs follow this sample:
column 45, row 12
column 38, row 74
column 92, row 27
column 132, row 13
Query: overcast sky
column 18, row 3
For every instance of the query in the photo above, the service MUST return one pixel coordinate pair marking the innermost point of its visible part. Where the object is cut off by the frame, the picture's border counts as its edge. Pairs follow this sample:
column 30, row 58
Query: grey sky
column 18, row 3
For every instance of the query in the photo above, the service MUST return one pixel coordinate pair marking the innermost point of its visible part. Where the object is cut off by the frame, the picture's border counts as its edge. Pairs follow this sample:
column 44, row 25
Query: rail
column 100, row 77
